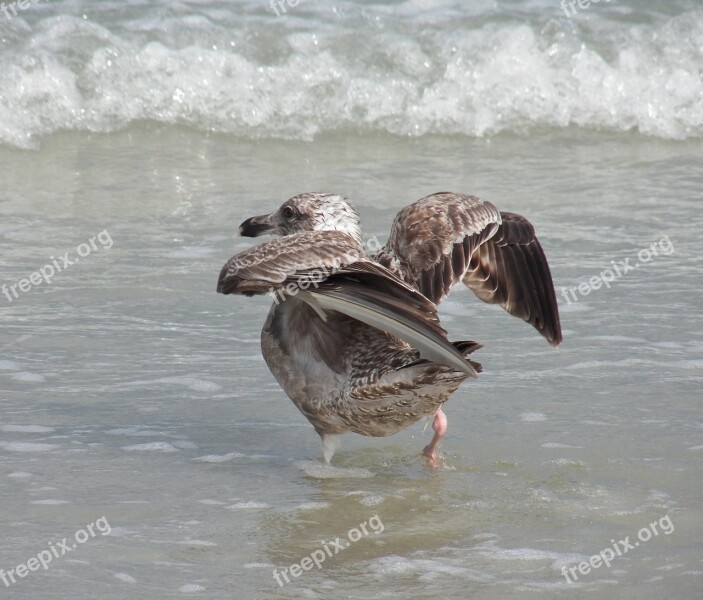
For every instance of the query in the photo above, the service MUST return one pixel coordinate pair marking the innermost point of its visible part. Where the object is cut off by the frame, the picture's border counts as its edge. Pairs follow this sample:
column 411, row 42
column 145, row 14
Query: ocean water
column 139, row 421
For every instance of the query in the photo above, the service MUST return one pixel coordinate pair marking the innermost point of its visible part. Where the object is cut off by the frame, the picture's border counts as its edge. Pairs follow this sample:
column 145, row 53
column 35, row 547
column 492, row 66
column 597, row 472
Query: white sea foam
column 427, row 568
column 26, row 428
column 313, row 505
column 28, row 376
column 558, row 445
column 202, row 543
column 401, row 69
column 185, row 445
column 250, row 504
column 193, row 383
column 190, row 588
column 216, row 458
column 152, row 446
column 27, row 446
column 532, row 417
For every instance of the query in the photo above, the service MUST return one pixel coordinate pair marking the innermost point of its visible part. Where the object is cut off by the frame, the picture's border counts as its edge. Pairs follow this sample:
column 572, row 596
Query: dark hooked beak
column 256, row 226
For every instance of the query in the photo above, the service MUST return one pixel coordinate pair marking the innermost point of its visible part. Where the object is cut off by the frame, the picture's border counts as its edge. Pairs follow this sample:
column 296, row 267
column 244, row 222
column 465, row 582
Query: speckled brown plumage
column 355, row 340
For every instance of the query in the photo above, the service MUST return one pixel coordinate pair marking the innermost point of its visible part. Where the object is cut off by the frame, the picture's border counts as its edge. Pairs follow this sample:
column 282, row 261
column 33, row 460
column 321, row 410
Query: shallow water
column 131, row 390
column 134, row 396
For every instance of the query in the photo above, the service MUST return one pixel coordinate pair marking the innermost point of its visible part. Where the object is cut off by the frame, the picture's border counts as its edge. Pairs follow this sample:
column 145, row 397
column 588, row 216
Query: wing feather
column 271, row 266
column 446, row 238
column 381, row 311
column 511, row 270
column 329, row 272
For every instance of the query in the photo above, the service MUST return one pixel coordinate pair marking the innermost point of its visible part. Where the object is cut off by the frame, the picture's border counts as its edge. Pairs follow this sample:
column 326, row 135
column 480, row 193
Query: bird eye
column 288, row 212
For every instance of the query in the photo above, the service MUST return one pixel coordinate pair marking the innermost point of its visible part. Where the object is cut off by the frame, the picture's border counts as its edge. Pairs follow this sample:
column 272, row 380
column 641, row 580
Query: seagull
column 353, row 337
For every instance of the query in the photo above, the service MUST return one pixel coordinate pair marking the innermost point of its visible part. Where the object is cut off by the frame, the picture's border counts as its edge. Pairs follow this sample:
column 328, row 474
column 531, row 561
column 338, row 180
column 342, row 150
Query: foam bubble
column 313, row 505
column 26, row 428
column 193, row 383
column 133, row 431
column 250, row 504
column 28, row 446
column 152, row 446
column 202, row 543
column 190, row 588
column 28, row 376
column 532, row 417
column 216, row 458
column 185, row 445
column 558, row 445
column 372, row 500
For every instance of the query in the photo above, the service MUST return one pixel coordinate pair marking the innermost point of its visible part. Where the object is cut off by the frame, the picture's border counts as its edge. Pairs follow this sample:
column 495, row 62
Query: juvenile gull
column 354, row 339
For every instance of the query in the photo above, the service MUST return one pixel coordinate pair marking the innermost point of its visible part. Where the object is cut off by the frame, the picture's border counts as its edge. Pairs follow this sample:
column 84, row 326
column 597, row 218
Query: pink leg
column 440, row 428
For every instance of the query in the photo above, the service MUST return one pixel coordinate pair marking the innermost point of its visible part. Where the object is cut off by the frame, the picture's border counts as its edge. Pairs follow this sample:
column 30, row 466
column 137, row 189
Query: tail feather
column 382, row 311
column 464, row 347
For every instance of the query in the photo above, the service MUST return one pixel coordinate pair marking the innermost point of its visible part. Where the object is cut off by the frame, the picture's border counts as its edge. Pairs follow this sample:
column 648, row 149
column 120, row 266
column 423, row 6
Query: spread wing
column 272, row 266
column 446, row 238
column 511, row 270
column 329, row 271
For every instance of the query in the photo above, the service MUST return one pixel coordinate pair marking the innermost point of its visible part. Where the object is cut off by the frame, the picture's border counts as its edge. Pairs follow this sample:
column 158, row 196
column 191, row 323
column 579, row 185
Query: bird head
column 306, row 212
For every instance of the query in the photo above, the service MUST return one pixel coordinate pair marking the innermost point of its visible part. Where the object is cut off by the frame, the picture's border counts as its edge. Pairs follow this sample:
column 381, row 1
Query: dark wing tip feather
column 447, row 237
column 225, row 284
column 230, row 282
column 511, row 270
